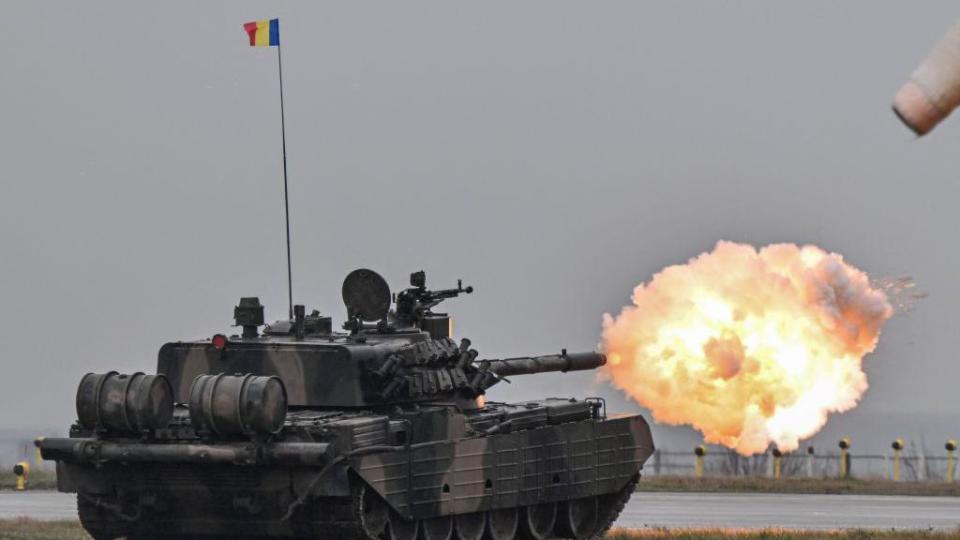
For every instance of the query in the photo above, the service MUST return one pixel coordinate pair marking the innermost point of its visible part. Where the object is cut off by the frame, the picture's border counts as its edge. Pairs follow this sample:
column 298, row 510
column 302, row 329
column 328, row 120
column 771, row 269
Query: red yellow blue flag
column 264, row 33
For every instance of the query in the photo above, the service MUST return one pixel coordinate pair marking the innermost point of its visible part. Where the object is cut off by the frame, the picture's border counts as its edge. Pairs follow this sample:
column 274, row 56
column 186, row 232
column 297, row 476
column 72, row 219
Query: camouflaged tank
column 380, row 431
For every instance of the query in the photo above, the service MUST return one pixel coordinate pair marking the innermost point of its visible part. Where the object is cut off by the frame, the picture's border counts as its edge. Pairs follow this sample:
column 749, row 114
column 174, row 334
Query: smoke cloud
column 749, row 347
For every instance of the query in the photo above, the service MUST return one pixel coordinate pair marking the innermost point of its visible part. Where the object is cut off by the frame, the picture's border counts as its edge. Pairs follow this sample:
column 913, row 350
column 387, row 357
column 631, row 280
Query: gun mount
column 414, row 304
column 440, row 368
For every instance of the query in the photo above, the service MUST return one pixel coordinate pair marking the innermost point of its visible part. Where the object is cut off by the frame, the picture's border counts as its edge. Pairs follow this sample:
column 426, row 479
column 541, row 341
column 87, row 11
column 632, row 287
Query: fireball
column 748, row 347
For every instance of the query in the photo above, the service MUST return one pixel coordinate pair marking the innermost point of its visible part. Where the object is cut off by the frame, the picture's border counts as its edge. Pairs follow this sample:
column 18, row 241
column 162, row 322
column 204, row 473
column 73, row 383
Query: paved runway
column 756, row 510
column 738, row 510
column 44, row 505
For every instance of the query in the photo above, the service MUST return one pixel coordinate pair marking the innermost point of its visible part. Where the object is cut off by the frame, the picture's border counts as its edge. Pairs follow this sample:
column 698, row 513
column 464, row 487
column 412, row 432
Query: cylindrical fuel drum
column 933, row 90
column 238, row 404
column 120, row 402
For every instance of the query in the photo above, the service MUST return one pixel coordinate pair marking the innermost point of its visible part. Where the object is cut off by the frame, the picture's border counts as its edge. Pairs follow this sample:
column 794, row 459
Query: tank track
column 330, row 518
column 98, row 522
column 615, row 503
column 323, row 519
column 351, row 529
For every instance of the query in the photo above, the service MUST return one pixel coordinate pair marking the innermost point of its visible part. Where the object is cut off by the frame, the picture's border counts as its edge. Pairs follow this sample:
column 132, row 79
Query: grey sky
column 553, row 154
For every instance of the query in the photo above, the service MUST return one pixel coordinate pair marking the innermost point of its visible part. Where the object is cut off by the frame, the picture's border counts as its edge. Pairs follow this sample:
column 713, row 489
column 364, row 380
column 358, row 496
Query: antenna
column 266, row 33
column 286, row 197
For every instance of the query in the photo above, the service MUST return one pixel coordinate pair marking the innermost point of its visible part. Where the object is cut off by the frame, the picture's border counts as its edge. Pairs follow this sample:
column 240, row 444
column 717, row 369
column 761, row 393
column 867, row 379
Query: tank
column 381, row 430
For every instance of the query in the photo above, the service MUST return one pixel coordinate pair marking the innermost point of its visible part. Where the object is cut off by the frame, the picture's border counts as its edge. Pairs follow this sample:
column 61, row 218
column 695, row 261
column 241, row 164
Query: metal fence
column 913, row 465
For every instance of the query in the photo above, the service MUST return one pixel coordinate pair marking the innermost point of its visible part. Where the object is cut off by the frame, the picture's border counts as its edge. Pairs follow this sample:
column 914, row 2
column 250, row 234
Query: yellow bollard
column 777, row 455
column 951, row 447
column 845, row 458
column 22, row 471
column 699, row 451
column 897, row 447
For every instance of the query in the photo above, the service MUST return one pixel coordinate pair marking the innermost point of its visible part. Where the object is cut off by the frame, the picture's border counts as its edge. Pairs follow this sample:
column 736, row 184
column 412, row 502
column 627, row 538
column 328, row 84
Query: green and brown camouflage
column 381, row 431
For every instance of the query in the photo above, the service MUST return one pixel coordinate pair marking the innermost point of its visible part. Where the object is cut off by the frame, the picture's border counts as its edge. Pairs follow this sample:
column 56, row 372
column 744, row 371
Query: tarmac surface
column 676, row 510
column 42, row 505
column 764, row 510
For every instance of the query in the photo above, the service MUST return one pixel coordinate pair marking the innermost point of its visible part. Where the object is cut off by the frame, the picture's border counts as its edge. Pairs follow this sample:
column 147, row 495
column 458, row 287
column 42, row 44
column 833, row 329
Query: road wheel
column 502, row 524
column 437, row 528
column 402, row 529
column 374, row 512
column 537, row 521
column 470, row 526
column 578, row 518
column 99, row 522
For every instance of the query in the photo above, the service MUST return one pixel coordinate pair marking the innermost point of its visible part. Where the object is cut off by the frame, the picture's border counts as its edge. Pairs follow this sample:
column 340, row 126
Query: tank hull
column 548, row 464
column 414, row 484
column 384, row 432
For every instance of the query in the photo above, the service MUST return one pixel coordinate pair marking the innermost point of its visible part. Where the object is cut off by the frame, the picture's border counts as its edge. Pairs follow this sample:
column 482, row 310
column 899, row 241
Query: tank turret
column 377, row 431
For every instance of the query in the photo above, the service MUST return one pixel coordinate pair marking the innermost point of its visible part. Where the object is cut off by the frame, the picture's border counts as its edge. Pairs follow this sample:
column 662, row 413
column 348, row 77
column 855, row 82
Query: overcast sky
column 554, row 154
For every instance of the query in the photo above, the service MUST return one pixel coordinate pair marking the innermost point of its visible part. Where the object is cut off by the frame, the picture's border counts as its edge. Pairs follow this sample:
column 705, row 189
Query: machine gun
column 414, row 304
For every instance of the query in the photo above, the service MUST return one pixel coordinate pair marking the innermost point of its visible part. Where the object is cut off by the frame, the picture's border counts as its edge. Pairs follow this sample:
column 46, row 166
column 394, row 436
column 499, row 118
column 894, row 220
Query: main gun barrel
column 552, row 362
column 933, row 90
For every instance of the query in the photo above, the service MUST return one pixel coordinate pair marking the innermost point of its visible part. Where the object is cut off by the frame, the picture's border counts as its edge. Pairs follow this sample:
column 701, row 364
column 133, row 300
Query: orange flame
column 748, row 347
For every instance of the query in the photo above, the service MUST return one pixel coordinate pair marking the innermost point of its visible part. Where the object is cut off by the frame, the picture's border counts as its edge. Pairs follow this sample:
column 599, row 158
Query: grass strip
column 748, row 484
column 31, row 529
column 778, row 534
column 45, row 479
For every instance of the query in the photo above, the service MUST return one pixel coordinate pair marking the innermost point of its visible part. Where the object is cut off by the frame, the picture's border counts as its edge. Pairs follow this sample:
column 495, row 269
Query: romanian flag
column 264, row 33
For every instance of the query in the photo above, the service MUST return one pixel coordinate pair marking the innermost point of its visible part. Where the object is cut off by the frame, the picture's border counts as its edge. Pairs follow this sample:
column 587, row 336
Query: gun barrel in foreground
column 933, row 90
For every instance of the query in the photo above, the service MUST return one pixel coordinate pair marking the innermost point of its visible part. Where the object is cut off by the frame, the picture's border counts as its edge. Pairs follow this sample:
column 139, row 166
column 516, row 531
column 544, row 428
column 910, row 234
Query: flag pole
column 286, row 196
